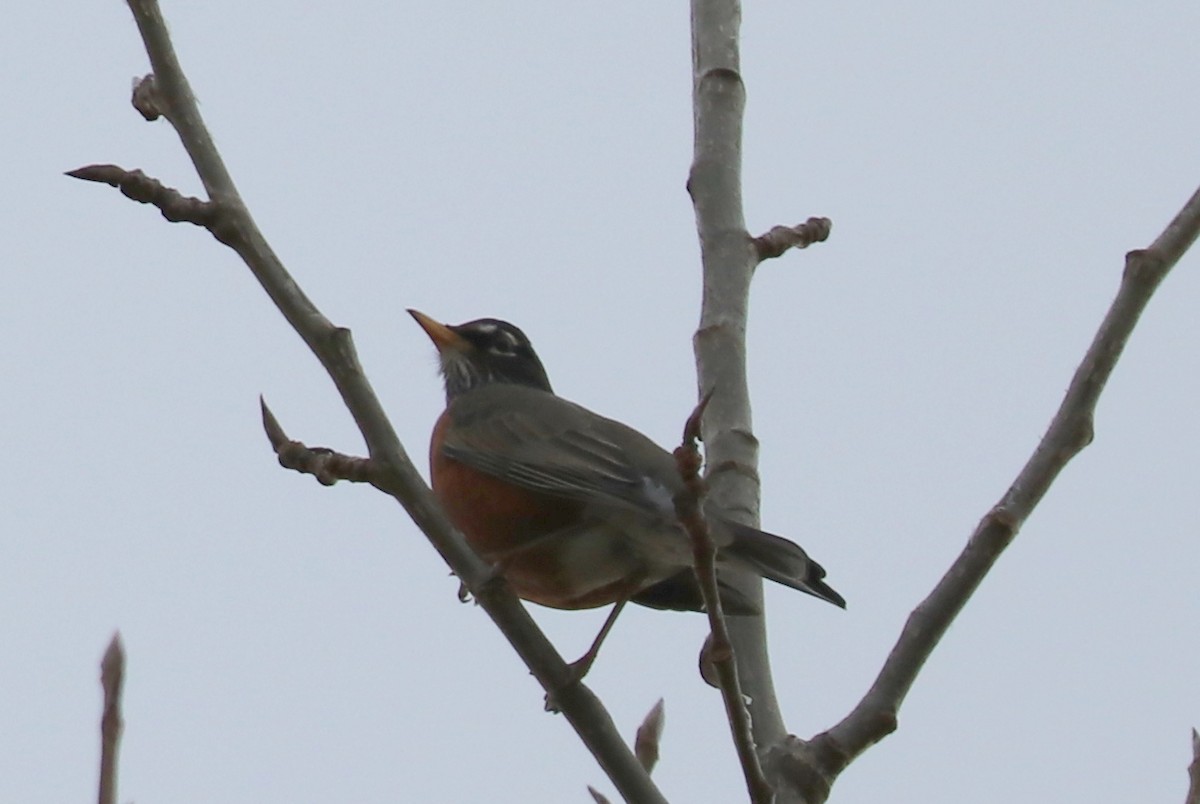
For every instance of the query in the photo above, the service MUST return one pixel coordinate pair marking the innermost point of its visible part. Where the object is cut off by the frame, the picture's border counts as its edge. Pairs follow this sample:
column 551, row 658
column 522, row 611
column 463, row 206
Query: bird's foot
column 576, row 670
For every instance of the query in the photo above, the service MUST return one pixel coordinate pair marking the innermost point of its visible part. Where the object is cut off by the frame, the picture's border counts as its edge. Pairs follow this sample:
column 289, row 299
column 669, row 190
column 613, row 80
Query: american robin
column 575, row 510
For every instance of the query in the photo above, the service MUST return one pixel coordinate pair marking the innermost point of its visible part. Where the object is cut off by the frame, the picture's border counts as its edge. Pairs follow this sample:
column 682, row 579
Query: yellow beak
column 442, row 336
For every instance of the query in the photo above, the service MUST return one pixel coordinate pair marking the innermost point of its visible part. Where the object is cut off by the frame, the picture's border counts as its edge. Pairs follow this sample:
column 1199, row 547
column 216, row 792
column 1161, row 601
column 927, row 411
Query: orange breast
column 503, row 523
column 495, row 516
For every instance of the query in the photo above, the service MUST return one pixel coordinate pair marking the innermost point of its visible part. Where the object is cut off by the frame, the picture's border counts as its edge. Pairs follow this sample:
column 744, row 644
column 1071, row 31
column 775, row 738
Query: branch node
column 805, row 765
column 781, row 238
column 1144, row 265
column 1004, row 518
column 146, row 98
column 1082, row 434
column 737, row 468
column 719, row 76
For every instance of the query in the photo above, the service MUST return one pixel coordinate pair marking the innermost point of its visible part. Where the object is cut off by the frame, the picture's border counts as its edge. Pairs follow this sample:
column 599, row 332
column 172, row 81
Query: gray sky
column 986, row 170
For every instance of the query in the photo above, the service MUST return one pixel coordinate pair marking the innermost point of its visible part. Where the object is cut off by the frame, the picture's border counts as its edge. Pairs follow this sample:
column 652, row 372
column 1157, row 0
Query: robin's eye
column 504, row 346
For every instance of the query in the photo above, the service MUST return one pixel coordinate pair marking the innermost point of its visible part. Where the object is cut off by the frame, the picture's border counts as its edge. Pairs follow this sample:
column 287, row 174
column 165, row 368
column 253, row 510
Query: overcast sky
column 985, row 168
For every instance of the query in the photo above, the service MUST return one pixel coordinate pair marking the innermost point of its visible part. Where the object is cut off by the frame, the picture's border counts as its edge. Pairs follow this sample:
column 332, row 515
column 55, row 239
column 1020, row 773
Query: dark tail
column 779, row 560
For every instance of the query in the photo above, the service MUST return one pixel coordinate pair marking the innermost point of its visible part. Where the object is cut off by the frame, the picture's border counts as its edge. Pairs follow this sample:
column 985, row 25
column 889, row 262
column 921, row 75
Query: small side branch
column 689, row 505
column 112, row 679
column 780, row 239
column 327, row 466
column 174, row 205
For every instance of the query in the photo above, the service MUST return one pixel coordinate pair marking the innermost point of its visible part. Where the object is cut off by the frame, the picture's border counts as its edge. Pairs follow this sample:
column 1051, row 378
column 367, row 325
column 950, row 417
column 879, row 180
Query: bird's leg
column 579, row 668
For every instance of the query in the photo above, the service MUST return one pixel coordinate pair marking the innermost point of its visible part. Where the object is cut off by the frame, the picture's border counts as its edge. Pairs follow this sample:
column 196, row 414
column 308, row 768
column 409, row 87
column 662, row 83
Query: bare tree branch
column 168, row 94
column 776, row 242
column 1193, row 794
column 689, row 505
column 729, row 258
column 112, row 679
column 1069, row 432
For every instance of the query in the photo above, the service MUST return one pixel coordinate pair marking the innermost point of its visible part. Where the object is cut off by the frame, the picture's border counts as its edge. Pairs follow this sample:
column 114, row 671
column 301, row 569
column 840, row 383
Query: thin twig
column 168, row 94
column 689, row 505
column 112, row 679
column 1069, row 432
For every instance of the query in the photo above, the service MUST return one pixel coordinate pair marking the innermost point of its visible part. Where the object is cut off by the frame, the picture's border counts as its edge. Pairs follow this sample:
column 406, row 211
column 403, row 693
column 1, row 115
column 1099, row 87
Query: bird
column 572, row 509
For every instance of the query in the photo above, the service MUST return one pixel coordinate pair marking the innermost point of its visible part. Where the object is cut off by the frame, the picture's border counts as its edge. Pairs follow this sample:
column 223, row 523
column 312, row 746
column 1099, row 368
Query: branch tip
column 274, row 430
column 112, row 679
column 112, row 666
column 649, row 736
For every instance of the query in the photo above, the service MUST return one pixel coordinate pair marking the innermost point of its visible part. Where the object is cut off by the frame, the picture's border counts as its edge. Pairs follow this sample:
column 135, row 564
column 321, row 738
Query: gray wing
column 543, row 442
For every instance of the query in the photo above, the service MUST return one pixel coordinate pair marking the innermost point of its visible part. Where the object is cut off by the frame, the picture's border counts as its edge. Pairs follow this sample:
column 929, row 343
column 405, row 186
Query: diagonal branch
column 168, row 94
column 1069, row 432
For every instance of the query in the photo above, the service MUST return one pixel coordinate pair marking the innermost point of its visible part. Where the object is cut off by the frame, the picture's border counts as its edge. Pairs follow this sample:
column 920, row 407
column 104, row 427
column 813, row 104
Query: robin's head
column 483, row 351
